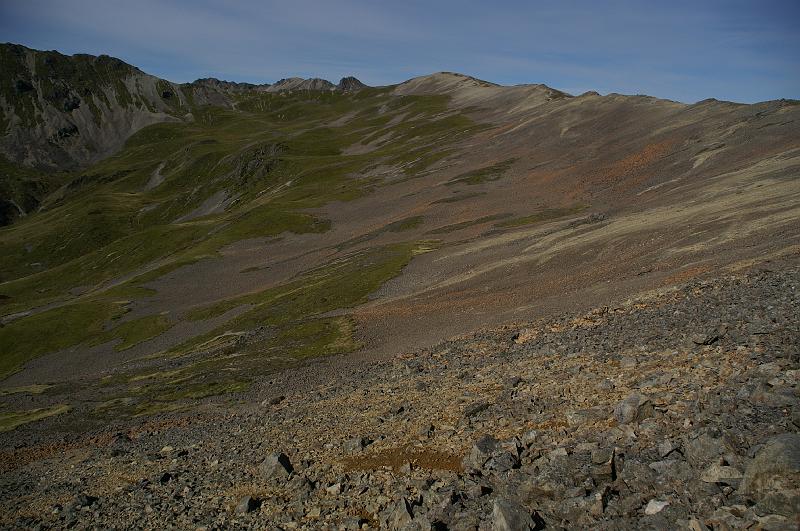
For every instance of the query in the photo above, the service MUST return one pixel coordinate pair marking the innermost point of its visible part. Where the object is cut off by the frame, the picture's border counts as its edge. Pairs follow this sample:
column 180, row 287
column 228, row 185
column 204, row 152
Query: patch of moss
column 136, row 331
column 52, row 330
column 35, row 389
column 543, row 215
column 466, row 224
column 457, row 198
column 482, row 175
column 13, row 419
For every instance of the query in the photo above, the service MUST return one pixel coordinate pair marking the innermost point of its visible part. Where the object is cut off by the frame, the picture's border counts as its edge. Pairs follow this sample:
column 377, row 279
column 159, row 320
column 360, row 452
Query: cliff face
column 61, row 112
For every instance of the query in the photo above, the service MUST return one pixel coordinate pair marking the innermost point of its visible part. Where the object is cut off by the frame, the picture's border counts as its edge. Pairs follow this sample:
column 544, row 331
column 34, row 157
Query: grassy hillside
column 179, row 192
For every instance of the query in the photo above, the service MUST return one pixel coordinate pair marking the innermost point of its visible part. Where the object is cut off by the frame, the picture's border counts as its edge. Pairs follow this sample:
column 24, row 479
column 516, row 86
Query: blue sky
column 687, row 51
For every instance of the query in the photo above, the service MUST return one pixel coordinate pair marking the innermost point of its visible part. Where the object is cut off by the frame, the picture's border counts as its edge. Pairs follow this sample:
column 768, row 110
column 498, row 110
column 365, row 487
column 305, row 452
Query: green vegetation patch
column 136, row 331
column 543, row 215
column 12, row 419
column 285, row 325
column 35, row 389
column 466, row 224
column 105, row 231
column 340, row 284
column 319, row 337
column 482, row 175
column 401, row 225
column 52, row 330
column 202, row 390
column 457, row 198
column 405, row 224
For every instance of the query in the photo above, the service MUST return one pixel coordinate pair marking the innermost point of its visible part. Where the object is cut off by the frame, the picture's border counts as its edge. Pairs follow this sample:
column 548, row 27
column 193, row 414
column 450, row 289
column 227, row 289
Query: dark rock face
column 773, row 478
column 350, row 84
column 69, row 111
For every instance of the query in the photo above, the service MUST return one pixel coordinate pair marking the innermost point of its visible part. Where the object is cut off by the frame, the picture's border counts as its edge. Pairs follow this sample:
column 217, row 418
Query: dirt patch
column 397, row 458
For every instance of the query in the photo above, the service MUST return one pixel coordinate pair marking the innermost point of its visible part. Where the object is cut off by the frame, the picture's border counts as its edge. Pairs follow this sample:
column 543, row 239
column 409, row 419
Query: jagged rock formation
column 62, row 112
column 350, row 84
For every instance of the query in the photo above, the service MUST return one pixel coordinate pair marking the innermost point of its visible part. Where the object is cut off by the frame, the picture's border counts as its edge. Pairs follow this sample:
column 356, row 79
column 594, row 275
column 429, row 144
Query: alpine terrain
column 442, row 304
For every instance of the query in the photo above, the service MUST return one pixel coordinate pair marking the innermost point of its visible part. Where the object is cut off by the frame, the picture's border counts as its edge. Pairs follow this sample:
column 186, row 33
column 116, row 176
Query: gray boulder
column 773, row 478
column 247, row 505
column 400, row 516
column 276, row 467
column 510, row 516
column 634, row 408
column 481, row 452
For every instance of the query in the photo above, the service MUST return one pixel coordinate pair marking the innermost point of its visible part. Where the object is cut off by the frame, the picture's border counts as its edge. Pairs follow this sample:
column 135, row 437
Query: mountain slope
column 272, row 228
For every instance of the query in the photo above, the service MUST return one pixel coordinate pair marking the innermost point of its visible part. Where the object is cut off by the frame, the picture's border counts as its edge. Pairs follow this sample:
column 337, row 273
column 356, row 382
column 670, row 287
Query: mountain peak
column 350, row 84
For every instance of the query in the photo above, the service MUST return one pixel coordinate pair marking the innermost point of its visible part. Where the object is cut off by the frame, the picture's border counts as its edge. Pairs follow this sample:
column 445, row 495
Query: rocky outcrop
column 63, row 111
column 350, row 84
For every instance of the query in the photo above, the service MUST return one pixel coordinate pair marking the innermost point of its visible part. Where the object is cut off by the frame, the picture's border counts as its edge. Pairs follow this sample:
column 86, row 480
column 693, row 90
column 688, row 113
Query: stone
column 603, row 466
column 530, row 437
column 634, row 408
column 584, row 416
column 276, row 466
column 726, row 475
column 773, row 478
column 481, row 452
column 704, row 449
column 705, row 338
column 655, row 507
column 476, row 408
column 666, row 447
column 401, row 516
column 503, row 462
column 508, row 515
column 355, row 444
column 697, row 525
column 602, row 455
column 606, row 385
column 558, row 452
column 246, row 505
column 273, row 401
column 85, row 500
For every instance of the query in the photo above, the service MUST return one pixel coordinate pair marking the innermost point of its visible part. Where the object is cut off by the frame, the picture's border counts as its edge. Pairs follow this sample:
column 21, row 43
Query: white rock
column 655, row 507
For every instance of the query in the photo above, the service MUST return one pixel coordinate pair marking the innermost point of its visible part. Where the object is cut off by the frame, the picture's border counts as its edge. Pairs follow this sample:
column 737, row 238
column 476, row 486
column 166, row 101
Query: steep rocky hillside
column 307, row 246
column 62, row 111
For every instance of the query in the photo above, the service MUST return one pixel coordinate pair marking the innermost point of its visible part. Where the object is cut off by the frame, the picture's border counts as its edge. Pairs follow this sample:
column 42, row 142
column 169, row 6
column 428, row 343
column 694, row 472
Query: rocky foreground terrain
column 675, row 410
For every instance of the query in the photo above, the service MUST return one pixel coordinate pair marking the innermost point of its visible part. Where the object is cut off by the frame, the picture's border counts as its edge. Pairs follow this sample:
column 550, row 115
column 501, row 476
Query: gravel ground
column 676, row 410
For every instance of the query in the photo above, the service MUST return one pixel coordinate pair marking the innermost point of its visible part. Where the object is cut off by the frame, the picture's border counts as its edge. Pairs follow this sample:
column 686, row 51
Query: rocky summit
column 441, row 304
